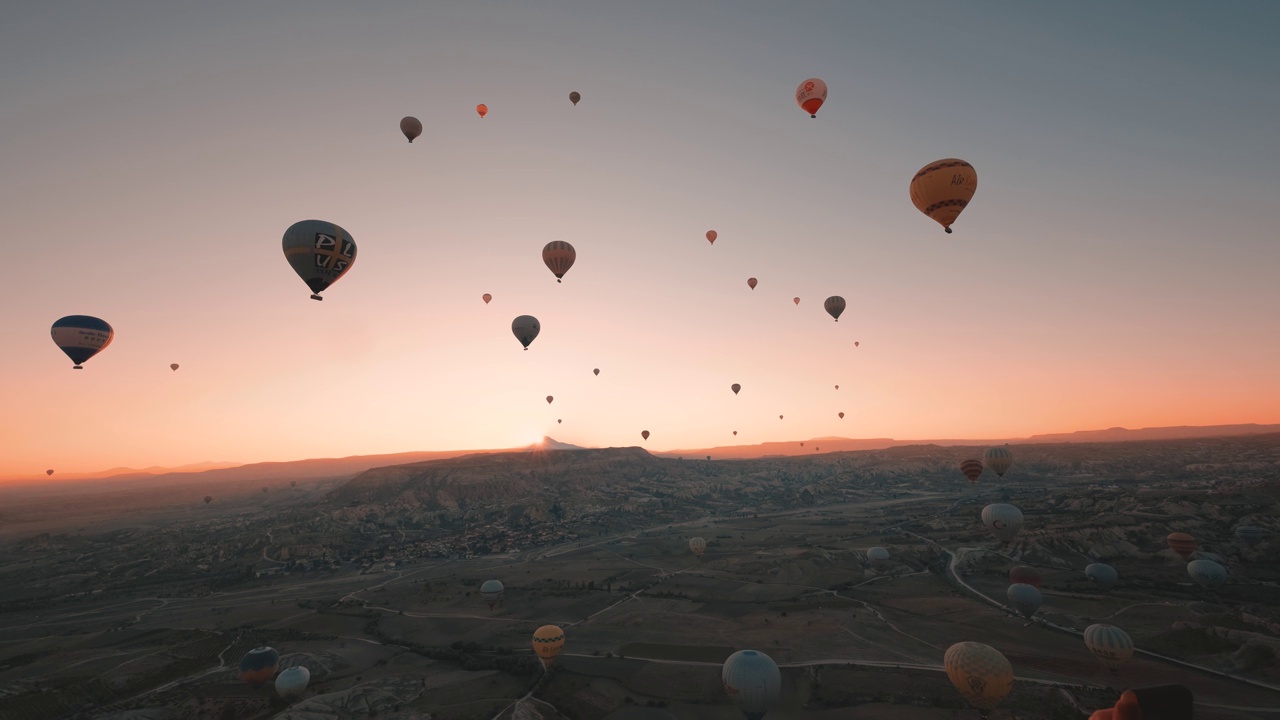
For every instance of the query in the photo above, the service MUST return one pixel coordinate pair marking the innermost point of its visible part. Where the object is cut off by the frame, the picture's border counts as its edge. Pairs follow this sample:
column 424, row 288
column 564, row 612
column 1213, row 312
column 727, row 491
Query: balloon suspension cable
column 316, row 297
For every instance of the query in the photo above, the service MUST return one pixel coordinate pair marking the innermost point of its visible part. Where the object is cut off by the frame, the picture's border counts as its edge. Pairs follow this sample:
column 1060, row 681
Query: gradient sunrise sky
column 1117, row 265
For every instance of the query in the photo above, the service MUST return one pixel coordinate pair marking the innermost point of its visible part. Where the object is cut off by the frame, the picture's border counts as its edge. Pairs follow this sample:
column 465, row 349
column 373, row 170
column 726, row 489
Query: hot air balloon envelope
column 1181, row 543
column 259, row 665
column 752, row 680
column 735, row 388
column 1207, row 573
column 292, row 682
column 81, row 337
column 972, row 469
column 980, row 672
column 320, row 252
column 1025, row 575
column 548, row 641
column 1003, row 520
column 698, row 545
column 482, row 109
column 574, row 97
column 411, row 127
column 1102, row 575
column 998, row 459
column 526, row 329
column 1026, row 599
column 943, row 189
column 751, row 283
column 486, row 298
column 558, row 257
column 711, row 236
column 1111, row 645
column 834, row 305
column 810, row 95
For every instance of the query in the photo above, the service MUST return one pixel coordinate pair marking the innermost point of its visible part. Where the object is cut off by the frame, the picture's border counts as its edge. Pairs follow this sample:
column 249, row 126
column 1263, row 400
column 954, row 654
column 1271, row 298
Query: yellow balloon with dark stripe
column 548, row 641
column 980, row 672
column 943, row 188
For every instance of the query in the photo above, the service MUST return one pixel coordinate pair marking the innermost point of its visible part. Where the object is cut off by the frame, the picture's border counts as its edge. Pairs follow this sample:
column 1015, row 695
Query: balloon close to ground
column 1003, row 520
column 834, row 305
column 319, row 252
column 1251, row 534
column 208, row 499
column 698, row 545
column 972, row 469
column 810, row 95
column 1026, row 599
column 711, row 236
column 491, row 592
column 411, row 127
column 1102, row 575
column 482, row 109
column 753, row 681
column 575, row 97
column 877, row 555
column 998, row 459
column 259, row 665
column 1024, row 575
column 526, row 329
column 1181, row 543
column 980, row 672
column 558, row 257
column 81, row 337
column 1207, row 573
column 548, row 641
column 1112, row 646
column 292, row 682
column 943, row 188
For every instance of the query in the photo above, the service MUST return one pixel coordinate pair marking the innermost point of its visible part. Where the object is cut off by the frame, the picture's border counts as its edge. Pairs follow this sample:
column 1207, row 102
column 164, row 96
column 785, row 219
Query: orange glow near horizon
column 1101, row 277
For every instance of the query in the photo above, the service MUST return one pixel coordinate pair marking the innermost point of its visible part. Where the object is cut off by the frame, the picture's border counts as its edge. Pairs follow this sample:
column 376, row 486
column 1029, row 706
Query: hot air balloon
column 482, row 109
column 259, row 665
column 856, row 343
column 779, row 417
column 491, row 591
column 801, row 444
column 971, row 469
column 596, row 371
column 486, row 298
column 208, row 499
column 980, row 672
column 549, row 399
column 711, row 236
column 735, row 432
column 1207, row 573
column 735, row 388
column 1181, row 543
column 1026, row 599
column 81, row 337
column 1109, row 644
column 559, row 256
column 698, row 545
column 834, row 305
column 574, row 97
column 1102, row 575
column 751, row 283
column 411, row 127
column 526, row 329
column 752, row 680
column 942, row 189
column 644, row 434
column 1251, row 534
column 708, row 457
column 841, row 415
column 48, row 472
column 558, row 421
column 998, row 459
column 548, row 641
column 810, row 95
column 1025, row 575
column 320, row 252
column 1003, row 520
column 293, row 483
column 173, row 367
column 878, row 556
column 795, row 300
column 837, row 387
column 264, row 490
column 292, row 682
column 1162, row 702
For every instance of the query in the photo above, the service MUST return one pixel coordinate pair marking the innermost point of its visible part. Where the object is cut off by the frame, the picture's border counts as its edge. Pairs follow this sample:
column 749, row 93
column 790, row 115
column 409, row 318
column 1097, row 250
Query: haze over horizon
column 1115, row 268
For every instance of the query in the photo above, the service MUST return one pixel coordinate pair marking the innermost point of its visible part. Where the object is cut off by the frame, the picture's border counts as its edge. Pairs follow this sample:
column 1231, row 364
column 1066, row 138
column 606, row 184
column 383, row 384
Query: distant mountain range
column 323, row 468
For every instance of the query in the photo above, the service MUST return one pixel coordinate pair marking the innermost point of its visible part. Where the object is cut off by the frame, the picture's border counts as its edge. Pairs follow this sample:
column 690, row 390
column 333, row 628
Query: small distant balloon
column 841, row 415
column 943, row 188
column 558, row 421
column 810, row 95
column 711, row 236
column 779, row 417
column 549, row 399
column 698, row 545
column 644, row 434
column 208, row 499
column 173, row 366
column 972, row 469
column 486, row 298
column 81, row 337
column 319, row 252
column 411, row 127
column 795, row 300
column 856, row 343
column 751, row 283
column 596, row 371
column 834, row 305
column 558, row 257
column 264, row 489
column 1102, row 575
column 735, row 432
column 48, row 472
column 837, row 387
column 293, row 483
column 574, row 97
column 292, row 682
column 735, row 388
column 482, row 109
column 801, row 444
column 526, row 329
column 1181, row 543
column 998, row 459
